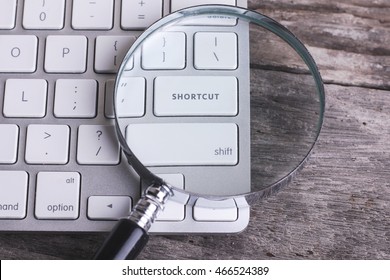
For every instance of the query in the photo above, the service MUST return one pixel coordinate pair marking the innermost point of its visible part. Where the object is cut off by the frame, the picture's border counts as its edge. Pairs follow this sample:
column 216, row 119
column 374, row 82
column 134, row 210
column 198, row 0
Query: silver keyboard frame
column 94, row 179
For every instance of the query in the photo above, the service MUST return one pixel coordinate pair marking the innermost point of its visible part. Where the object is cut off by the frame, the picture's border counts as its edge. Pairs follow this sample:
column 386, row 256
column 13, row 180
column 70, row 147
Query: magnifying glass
column 226, row 97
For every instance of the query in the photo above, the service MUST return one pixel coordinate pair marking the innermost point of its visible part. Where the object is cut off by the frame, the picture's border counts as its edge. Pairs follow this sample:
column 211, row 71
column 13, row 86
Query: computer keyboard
column 61, row 167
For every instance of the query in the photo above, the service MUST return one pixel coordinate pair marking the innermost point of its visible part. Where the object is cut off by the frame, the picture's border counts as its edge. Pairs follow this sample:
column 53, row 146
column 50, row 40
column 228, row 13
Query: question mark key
column 97, row 145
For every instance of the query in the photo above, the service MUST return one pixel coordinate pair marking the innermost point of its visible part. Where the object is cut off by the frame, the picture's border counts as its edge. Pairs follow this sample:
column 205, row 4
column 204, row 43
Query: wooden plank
column 350, row 40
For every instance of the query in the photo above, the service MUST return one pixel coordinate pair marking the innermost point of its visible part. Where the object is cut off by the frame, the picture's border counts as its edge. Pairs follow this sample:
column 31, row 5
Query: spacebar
column 184, row 143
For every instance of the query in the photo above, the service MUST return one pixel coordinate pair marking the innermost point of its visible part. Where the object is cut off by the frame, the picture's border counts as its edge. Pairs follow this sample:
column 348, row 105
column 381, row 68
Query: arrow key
column 108, row 207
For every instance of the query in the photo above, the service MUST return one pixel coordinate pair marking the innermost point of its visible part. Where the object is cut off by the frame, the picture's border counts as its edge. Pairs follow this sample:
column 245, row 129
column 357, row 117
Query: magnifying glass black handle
column 125, row 242
column 130, row 235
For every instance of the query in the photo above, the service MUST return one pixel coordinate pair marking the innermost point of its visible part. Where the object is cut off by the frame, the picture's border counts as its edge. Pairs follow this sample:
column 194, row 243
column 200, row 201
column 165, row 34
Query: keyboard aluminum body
column 105, row 185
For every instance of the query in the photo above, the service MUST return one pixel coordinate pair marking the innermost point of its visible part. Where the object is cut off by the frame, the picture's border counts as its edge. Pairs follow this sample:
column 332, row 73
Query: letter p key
column 66, row 54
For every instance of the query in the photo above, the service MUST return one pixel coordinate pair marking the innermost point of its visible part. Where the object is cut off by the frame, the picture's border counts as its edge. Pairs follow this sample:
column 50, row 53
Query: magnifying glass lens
column 223, row 96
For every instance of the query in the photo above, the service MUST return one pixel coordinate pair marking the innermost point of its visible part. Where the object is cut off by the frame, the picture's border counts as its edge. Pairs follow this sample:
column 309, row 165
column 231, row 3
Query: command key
column 13, row 194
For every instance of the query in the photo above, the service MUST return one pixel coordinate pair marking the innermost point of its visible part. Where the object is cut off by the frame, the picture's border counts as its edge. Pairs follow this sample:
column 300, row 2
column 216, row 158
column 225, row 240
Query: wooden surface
column 339, row 205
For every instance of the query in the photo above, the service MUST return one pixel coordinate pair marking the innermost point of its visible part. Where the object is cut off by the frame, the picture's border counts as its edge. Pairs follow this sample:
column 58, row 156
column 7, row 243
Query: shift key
column 184, row 144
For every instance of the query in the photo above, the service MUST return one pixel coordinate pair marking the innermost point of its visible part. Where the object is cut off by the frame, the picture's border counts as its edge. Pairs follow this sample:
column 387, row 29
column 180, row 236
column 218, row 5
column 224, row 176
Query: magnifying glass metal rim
column 251, row 16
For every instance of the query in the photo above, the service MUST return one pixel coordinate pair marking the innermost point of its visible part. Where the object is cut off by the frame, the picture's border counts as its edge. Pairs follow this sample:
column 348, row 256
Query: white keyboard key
column 97, row 144
column 140, row 14
column 195, row 96
column 129, row 64
column 13, row 194
column 173, row 211
column 66, row 54
column 96, row 14
column 7, row 14
column 214, row 211
column 210, row 21
column 9, row 137
column 110, row 51
column 18, row 53
column 57, row 195
column 25, row 98
column 75, row 98
column 108, row 207
column 43, row 14
column 217, row 51
column 181, row 4
column 47, row 144
column 184, row 143
column 109, row 102
column 131, row 97
column 165, row 50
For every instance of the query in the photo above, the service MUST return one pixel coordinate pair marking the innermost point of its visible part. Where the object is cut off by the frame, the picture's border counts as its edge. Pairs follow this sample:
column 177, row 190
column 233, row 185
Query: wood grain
column 339, row 205
column 349, row 39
